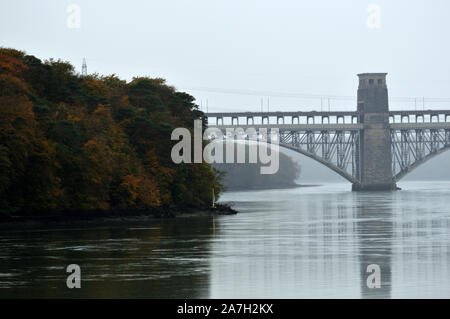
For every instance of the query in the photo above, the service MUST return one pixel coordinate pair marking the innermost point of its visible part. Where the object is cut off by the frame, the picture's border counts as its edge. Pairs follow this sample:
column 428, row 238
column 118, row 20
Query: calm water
column 297, row 243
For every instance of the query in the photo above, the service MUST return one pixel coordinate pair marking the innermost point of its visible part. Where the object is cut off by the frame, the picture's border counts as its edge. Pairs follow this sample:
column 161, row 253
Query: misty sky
column 261, row 48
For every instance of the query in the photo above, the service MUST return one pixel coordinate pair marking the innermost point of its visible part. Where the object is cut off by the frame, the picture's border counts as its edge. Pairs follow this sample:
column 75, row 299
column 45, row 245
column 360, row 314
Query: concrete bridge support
column 375, row 160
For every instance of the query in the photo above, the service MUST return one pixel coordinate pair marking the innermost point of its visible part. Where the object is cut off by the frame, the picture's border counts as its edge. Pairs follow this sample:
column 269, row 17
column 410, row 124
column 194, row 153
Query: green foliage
column 143, row 93
column 93, row 142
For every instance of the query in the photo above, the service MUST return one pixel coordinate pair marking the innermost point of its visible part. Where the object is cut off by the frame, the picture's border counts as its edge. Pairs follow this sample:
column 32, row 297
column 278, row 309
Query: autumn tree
column 92, row 142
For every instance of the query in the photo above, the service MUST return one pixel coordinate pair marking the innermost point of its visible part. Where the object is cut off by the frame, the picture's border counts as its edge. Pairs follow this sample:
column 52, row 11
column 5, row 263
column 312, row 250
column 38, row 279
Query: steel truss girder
column 410, row 148
column 338, row 149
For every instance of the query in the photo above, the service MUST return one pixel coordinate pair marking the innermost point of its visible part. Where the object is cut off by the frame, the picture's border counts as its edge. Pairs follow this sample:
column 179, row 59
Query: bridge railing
column 283, row 118
column 321, row 118
column 427, row 116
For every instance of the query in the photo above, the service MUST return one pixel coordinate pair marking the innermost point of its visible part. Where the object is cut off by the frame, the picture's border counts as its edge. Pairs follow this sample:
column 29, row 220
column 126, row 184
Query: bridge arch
column 418, row 163
column 304, row 152
column 322, row 161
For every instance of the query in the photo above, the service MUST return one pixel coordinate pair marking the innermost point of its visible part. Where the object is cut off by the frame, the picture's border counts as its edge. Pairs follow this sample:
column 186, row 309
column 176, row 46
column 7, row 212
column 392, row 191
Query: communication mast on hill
column 84, row 68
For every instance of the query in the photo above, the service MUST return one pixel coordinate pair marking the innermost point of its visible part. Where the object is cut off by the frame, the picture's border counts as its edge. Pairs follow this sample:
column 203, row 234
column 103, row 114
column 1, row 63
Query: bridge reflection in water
column 318, row 245
column 296, row 243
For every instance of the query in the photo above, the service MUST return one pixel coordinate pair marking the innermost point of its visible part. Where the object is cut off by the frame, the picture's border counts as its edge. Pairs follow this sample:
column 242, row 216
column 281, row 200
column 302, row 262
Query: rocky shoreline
column 98, row 217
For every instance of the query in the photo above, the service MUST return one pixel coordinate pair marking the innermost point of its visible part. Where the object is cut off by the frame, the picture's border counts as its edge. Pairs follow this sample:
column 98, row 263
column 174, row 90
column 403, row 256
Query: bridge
column 371, row 147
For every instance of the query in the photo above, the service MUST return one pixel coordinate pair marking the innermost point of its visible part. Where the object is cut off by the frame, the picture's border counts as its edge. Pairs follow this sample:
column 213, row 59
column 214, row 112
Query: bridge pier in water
column 375, row 160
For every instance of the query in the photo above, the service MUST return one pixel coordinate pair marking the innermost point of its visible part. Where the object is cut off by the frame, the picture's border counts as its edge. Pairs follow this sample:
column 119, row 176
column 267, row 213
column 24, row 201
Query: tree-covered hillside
column 94, row 142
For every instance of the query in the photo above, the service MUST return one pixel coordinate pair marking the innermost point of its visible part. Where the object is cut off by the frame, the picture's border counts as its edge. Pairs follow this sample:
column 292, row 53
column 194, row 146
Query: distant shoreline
column 262, row 188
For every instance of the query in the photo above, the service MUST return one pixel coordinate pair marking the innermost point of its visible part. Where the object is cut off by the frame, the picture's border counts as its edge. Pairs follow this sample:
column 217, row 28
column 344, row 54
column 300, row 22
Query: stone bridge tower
column 375, row 160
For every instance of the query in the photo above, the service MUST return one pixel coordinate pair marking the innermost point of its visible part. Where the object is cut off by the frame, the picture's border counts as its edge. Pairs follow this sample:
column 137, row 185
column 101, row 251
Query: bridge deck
column 297, row 127
column 420, row 126
column 337, row 127
column 324, row 113
column 279, row 113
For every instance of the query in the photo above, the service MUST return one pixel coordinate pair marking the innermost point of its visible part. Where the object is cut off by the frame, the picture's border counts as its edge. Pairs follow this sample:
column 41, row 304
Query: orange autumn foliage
column 93, row 142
